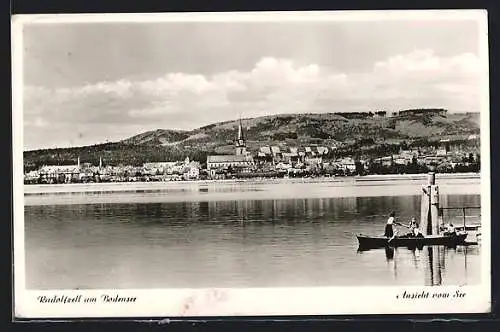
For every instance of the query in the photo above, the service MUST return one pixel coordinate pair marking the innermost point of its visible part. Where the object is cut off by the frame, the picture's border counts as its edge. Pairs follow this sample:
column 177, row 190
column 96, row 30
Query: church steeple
column 240, row 142
column 240, row 132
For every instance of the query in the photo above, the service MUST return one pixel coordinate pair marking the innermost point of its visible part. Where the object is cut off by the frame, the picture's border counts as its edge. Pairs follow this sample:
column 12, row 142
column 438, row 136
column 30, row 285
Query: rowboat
column 370, row 242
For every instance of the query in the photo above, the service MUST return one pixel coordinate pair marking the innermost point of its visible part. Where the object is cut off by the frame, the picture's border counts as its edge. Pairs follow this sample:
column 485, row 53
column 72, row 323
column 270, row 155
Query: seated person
column 450, row 229
column 416, row 231
column 412, row 225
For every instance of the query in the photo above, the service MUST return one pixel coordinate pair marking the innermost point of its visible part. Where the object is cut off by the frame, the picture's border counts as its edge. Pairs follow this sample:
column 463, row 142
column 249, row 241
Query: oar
column 400, row 224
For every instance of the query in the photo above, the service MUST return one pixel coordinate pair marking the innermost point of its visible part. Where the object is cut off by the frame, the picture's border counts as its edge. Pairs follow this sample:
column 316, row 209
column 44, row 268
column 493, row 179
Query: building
column 241, row 147
column 384, row 161
column 472, row 137
column 400, row 161
column 441, row 151
column 276, row 154
column 313, row 160
column 290, row 157
column 264, row 155
column 225, row 161
column 240, row 160
column 322, row 150
column 192, row 172
column 275, row 150
column 265, row 150
column 347, row 164
column 60, row 173
column 159, row 167
column 160, row 164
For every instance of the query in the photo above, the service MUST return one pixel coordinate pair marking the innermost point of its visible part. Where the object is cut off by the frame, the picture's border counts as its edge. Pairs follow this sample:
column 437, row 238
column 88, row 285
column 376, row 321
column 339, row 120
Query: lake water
column 99, row 241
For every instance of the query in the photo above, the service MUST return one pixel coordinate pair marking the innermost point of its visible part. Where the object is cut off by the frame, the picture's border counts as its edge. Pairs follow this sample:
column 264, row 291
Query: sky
column 88, row 83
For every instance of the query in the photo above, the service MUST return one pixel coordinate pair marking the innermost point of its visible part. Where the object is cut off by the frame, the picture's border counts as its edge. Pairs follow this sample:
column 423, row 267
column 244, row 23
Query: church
column 241, row 158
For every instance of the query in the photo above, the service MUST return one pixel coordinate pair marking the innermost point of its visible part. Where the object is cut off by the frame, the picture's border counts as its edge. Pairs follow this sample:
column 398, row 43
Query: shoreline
column 376, row 180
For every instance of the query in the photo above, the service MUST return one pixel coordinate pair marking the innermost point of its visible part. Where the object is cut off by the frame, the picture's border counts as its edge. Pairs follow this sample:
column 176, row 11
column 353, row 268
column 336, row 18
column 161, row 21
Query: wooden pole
column 463, row 210
column 431, row 178
column 434, row 207
column 430, row 267
column 436, row 265
column 426, row 209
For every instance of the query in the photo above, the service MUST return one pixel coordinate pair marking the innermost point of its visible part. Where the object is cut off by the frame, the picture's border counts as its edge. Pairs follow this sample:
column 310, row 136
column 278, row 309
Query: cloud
column 179, row 100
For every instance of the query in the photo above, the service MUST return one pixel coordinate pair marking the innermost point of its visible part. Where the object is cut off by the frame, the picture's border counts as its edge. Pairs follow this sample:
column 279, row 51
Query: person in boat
column 412, row 226
column 389, row 232
column 450, row 230
column 416, row 231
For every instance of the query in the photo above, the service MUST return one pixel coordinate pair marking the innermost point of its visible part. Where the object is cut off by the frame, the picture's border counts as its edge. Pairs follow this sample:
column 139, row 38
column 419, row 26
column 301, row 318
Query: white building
column 193, row 172
column 225, row 161
column 265, row 150
column 275, row 150
column 159, row 166
column 322, row 150
column 53, row 172
column 348, row 164
column 312, row 160
column 400, row 161
column 441, row 152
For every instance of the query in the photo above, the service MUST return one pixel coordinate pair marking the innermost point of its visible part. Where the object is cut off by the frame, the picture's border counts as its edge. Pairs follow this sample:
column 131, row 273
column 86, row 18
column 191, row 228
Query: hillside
column 369, row 134
column 158, row 137
column 307, row 127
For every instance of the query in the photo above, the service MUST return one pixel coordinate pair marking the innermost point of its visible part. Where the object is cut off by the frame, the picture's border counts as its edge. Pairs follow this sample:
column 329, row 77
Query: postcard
column 251, row 164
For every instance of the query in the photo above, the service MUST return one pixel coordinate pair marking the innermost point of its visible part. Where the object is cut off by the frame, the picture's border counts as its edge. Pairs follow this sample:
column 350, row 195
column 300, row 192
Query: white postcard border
column 249, row 301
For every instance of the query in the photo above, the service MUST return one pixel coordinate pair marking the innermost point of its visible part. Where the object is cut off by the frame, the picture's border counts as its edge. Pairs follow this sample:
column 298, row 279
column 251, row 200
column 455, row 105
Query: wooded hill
column 374, row 133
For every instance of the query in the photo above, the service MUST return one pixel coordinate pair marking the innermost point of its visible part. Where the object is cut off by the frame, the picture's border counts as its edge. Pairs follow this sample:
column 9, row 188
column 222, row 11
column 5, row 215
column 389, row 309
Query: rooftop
column 226, row 158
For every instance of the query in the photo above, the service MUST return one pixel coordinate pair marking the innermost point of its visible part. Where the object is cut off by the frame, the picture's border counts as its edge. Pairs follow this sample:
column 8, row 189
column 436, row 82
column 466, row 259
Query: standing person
column 389, row 232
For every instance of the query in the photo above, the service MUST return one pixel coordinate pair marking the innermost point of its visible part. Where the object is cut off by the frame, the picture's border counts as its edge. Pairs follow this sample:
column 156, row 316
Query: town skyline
column 90, row 83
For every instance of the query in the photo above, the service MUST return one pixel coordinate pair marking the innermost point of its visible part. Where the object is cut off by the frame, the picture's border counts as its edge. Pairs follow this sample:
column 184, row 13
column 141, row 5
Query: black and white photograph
column 258, row 163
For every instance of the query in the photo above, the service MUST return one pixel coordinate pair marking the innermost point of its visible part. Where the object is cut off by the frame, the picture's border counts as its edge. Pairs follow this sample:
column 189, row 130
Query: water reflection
column 432, row 260
column 435, row 262
column 389, row 253
column 232, row 243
